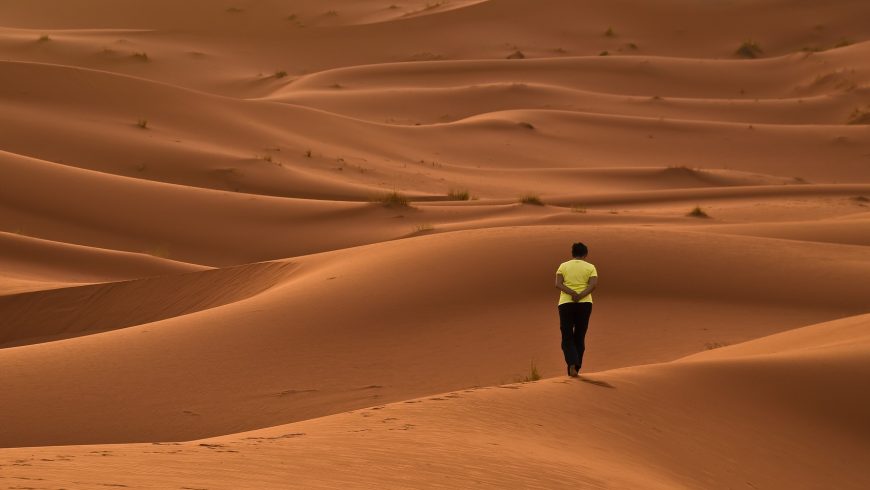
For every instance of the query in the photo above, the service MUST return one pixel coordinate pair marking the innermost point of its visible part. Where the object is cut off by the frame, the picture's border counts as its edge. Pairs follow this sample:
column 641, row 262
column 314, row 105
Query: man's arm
column 560, row 285
column 593, row 283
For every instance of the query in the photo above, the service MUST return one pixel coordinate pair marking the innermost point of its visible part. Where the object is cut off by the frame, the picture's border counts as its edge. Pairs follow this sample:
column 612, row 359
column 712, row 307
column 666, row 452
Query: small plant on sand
column 609, row 32
column 423, row 227
column 307, row 153
column 749, row 49
column 533, row 375
column 142, row 124
column 516, row 55
column 394, row 200
column 843, row 43
column 604, row 53
column 532, row 199
column 714, row 345
column 44, row 38
column 280, row 74
column 860, row 116
column 458, row 195
column 697, row 213
column 861, row 199
column 578, row 209
column 143, row 56
column 331, row 13
column 527, row 125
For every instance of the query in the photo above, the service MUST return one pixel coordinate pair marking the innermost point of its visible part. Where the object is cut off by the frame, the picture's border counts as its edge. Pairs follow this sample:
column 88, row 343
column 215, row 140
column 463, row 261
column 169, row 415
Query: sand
column 204, row 284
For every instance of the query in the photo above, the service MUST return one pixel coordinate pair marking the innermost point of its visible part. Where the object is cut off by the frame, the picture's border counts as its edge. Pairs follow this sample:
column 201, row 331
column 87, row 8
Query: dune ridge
column 307, row 244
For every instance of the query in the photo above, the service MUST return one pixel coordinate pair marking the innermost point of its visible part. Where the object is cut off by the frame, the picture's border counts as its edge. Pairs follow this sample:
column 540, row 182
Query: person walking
column 575, row 279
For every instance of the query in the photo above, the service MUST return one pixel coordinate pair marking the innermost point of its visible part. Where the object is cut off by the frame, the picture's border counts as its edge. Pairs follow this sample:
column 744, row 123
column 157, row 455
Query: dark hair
column 579, row 250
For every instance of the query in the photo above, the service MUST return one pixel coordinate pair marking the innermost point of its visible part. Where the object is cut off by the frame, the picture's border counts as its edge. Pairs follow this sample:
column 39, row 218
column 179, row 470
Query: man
column 576, row 279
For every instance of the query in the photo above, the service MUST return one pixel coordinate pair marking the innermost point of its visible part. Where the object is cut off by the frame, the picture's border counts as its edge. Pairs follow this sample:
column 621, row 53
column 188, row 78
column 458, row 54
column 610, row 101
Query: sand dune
column 684, row 424
column 323, row 235
column 274, row 357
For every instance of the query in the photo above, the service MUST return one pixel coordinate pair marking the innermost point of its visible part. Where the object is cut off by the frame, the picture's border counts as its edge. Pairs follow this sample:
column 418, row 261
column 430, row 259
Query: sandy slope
column 779, row 412
column 407, row 306
column 192, row 243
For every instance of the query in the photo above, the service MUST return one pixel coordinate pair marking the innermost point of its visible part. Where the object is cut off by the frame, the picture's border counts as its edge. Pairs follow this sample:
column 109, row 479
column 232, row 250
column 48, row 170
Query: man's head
column 579, row 250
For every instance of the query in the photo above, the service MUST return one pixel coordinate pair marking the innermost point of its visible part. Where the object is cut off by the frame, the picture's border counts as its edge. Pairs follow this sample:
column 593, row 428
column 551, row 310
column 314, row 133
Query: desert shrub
column 44, row 38
column 609, row 32
column 532, row 199
column 458, row 195
column 142, row 123
column 749, row 49
column 516, row 55
column 143, row 56
column 714, row 345
column 280, row 74
column 423, row 227
column 697, row 213
column 533, row 375
column 394, row 199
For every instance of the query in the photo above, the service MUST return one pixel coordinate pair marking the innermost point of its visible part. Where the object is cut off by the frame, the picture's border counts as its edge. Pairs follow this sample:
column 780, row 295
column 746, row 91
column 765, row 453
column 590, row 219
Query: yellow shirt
column 576, row 273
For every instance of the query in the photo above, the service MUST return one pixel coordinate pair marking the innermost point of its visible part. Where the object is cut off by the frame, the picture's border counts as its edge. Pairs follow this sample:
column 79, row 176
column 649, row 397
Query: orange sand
column 199, row 287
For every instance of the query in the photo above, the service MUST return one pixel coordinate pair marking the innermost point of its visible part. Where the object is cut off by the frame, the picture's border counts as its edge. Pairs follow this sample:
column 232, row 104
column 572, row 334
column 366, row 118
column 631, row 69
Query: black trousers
column 573, row 322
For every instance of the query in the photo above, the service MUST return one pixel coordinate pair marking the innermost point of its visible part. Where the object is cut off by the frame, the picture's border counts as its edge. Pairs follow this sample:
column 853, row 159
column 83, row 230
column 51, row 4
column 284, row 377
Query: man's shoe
column 572, row 371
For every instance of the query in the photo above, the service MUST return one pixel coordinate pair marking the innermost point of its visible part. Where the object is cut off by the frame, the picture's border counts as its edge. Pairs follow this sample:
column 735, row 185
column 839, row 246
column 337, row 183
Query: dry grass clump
column 609, row 32
column 394, row 200
column 142, row 124
column 44, row 38
column 143, row 56
column 697, row 213
column 423, row 227
column 280, row 74
column 533, row 375
column 714, row 345
column 516, row 55
column 458, row 195
column 749, row 49
column 527, row 125
column 532, row 199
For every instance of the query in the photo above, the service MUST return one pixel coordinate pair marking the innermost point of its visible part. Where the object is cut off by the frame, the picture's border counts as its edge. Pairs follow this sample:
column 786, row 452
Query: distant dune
column 307, row 244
